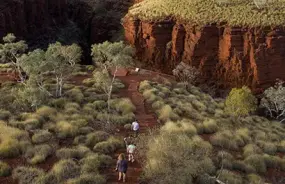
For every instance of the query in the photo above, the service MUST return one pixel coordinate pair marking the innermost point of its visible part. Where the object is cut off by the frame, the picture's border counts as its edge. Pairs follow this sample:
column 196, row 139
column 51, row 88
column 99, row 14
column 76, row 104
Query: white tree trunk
column 60, row 86
column 110, row 94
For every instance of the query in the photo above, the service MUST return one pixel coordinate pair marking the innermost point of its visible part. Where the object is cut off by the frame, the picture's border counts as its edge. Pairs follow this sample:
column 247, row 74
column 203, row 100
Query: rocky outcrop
column 234, row 56
column 23, row 17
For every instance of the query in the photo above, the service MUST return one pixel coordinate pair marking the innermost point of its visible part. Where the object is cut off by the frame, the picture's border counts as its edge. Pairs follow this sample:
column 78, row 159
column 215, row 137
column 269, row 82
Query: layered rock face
column 22, row 17
column 234, row 56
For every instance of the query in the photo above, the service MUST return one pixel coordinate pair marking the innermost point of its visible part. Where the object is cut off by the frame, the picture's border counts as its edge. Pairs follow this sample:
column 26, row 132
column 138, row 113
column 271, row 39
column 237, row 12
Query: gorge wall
column 233, row 56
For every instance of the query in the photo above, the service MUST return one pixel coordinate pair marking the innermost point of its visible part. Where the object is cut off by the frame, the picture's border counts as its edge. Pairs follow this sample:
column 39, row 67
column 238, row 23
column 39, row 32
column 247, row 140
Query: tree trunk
column 57, row 87
column 60, row 86
column 110, row 94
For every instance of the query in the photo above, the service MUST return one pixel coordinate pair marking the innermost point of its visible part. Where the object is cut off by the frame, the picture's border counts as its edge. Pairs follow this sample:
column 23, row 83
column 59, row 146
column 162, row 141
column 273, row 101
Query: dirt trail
column 145, row 118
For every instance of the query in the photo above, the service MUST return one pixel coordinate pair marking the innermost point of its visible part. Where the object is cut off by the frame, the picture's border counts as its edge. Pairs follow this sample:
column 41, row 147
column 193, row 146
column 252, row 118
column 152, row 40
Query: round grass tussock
column 42, row 137
column 251, row 149
column 179, row 127
column 75, row 94
column 96, row 137
column 46, row 112
column 108, row 146
column 124, row 106
column 268, row 147
column 210, row 126
column 66, row 129
column 257, row 162
column 94, row 162
column 4, row 114
column 38, row 153
column 224, row 139
column 65, row 169
column 5, row 169
column 77, row 152
column 144, row 85
column 27, row 175
column 281, row 146
column 166, row 113
column 242, row 166
column 254, row 179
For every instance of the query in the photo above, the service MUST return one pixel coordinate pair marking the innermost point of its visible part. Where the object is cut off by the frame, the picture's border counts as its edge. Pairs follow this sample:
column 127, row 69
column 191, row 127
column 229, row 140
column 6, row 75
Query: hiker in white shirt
column 130, row 150
column 135, row 127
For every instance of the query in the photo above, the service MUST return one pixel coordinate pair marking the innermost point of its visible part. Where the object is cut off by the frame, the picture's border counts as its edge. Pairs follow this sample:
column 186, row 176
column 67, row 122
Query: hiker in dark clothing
column 122, row 166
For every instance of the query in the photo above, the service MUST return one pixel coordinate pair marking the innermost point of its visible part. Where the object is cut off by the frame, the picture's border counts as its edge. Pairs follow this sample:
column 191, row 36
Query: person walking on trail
column 130, row 150
column 128, row 140
column 122, row 167
column 135, row 128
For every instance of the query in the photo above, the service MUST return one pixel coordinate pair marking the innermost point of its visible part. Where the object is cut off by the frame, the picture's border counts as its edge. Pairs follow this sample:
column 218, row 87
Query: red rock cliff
column 22, row 17
column 232, row 55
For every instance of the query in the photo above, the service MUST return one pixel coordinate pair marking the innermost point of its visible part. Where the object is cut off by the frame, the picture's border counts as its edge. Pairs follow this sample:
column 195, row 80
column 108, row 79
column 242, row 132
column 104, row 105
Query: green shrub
column 10, row 140
column 5, row 169
column 108, row 146
column 88, row 82
column 75, row 94
column 242, row 166
column 65, row 169
column 268, row 147
column 58, row 103
column 66, row 129
column 254, row 179
column 93, row 138
column 210, row 126
column 271, row 161
column 281, row 146
column 166, row 113
column 85, row 130
column 93, row 162
column 27, row 175
column 224, row 139
column 100, row 105
column 199, row 106
column 39, row 153
column 4, row 115
column 240, row 102
column 157, row 105
column 150, row 95
column 124, row 106
column 46, row 112
column 76, row 152
column 257, row 162
column 88, row 179
column 244, row 134
column 227, row 176
column 251, row 149
column 72, row 105
column 81, row 139
column 144, row 85
column 199, row 128
column 179, row 127
column 42, row 137
column 128, row 126
column 89, row 67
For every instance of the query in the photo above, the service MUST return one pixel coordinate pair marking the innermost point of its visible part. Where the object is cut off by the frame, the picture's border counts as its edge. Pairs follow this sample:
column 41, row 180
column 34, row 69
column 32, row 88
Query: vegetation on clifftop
column 201, row 12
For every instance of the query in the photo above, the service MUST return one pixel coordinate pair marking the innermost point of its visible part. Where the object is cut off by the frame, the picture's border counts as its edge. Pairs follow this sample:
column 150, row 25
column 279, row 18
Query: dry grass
column 42, row 137
column 27, row 175
column 227, row 176
column 66, row 129
column 183, row 126
column 10, row 140
column 244, row 13
column 38, row 153
column 65, row 169
column 210, row 126
column 257, row 162
column 77, row 152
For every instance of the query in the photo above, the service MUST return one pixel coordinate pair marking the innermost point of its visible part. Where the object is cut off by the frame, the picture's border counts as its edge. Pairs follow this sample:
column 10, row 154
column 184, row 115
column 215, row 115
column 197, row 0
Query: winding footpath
column 146, row 119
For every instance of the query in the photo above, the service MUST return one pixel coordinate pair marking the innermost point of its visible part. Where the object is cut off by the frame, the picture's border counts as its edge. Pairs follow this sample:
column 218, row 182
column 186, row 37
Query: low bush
column 5, row 169
column 128, row 126
column 93, row 162
column 93, row 138
column 27, row 175
column 38, row 153
column 244, row 134
column 227, row 176
column 210, row 126
column 4, row 114
column 224, row 139
column 72, row 105
column 199, row 128
column 58, row 103
column 179, row 127
column 88, row 179
column 257, row 162
column 42, row 137
column 99, row 105
column 241, row 102
column 242, row 166
column 75, row 94
column 251, row 149
column 150, row 95
column 66, row 129
column 81, row 139
column 157, row 105
column 254, row 179
column 271, row 161
column 65, row 169
column 267, row 147
column 46, row 112
column 281, row 146
column 123, row 106
column 166, row 113
column 78, row 152
column 199, row 106
column 10, row 140
column 108, row 146
column 144, row 85
column 85, row 130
